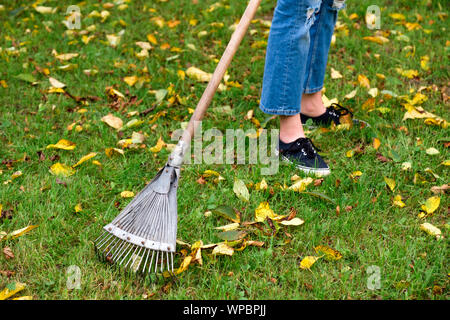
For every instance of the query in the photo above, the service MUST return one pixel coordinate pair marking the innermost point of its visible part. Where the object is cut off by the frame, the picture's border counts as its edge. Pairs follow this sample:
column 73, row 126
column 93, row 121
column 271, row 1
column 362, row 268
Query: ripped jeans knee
column 338, row 5
column 311, row 13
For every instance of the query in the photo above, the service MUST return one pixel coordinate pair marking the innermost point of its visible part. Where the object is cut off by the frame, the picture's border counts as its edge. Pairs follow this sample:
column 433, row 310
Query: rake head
column 142, row 238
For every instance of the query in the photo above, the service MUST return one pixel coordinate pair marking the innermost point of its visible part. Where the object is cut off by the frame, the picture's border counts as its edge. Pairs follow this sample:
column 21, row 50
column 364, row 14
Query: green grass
column 413, row 264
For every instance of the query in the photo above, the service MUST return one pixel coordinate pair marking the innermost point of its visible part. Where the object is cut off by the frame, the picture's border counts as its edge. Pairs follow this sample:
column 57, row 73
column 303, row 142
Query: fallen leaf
column 197, row 74
column 431, row 204
column 398, row 201
column 330, row 254
column 60, row 169
column 263, row 211
column 127, row 194
column 241, row 190
column 85, row 158
column 11, row 290
column 431, row 230
column 390, row 183
column 8, row 253
column 293, row 222
column 301, row 184
column 62, row 144
column 223, row 249
column 308, row 261
column 78, row 208
column 159, row 145
column 228, row 227
column 232, row 235
column 112, row 151
column 432, row 151
column 227, row 213
column 113, row 121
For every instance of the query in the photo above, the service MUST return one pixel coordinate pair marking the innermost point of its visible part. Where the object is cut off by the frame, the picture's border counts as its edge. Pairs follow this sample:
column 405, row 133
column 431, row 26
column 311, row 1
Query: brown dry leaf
column 113, row 121
column 63, row 170
column 441, row 189
column 8, row 253
column 62, row 144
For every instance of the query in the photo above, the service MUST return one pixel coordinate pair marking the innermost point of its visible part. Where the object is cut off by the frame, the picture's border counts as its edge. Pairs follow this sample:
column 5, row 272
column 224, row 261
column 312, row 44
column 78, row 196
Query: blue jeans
column 297, row 52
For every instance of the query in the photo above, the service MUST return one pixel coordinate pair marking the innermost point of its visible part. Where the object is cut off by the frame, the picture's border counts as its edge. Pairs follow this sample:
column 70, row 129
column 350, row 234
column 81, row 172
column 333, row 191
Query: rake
column 142, row 238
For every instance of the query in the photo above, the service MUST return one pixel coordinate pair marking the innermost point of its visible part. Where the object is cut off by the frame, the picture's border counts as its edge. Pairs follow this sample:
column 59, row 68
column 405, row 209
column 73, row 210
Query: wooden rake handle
column 217, row 76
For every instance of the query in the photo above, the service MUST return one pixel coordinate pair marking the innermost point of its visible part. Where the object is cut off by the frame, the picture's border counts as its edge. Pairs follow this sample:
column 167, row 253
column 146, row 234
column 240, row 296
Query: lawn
column 130, row 59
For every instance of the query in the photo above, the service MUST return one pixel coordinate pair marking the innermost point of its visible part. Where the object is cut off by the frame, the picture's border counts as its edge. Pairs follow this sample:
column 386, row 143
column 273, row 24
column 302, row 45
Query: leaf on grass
column 20, row 232
column 232, row 235
column 432, row 151
column 11, row 290
column 398, row 201
column 63, row 170
column 223, row 249
column 431, row 204
column 158, row 146
column 62, row 144
column 127, row 194
column 228, row 227
column 390, row 183
column 376, row 143
column 319, row 195
column 28, row 77
column 7, row 252
column 78, row 208
column 112, row 151
column 330, row 254
column 85, row 158
column 363, row 81
column 431, row 230
column 227, row 213
column 240, row 189
column 198, row 75
column 263, row 211
column 308, row 261
column 113, row 121
column 301, row 184
column 293, row 222
column 56, row 83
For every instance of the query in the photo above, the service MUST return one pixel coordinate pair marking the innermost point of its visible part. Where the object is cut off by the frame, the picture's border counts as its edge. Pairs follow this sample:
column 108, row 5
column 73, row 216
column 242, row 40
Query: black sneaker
column 332, row 114
column 302, row 153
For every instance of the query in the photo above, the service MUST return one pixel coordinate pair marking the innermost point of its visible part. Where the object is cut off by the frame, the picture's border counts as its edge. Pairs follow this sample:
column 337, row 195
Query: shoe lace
column 336, row 111
column 306, row 146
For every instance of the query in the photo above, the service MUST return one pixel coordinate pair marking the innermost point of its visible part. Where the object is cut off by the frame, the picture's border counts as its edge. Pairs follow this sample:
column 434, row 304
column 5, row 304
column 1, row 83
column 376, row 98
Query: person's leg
column 285, row 66
column 320, row 34
column 284, row 76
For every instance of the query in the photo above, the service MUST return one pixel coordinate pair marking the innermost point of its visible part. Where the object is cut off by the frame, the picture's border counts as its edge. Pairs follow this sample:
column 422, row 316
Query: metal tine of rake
column 148, row 224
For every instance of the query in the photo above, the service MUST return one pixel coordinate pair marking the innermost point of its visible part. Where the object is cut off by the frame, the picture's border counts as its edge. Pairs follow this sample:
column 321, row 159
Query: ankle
column 312, row 104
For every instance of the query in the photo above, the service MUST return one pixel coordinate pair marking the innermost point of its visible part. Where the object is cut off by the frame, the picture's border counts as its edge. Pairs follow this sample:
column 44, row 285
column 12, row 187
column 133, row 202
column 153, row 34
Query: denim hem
column 278, row 112
column 313, row 90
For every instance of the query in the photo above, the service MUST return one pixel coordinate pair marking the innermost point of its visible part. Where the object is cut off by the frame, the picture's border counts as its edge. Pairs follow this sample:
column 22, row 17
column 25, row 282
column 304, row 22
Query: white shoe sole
column 318, row 172
column 355, row 121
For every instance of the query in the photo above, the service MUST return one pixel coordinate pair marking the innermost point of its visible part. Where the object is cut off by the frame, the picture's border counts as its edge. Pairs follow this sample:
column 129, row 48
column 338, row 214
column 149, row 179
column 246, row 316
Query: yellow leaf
column 130, row 80
column 152, row 39
column 56, row 83
column 377, row 39
column 408, row 73
column 300, row 185
column 240, row 189
column 397, row 16
column 24, row 298
column 66, row 56
column 16, row 174
column 60, row 169
column 398, row 201
column 159, row 145
column 431, row 205
column 424, row 63
column 446, row 163
column 363, row 81
column 184, row 265
column 111, row 151
column 21, row 232
column 197, row 74
column 335, row 74
column 356, row 174
column 181, row 74
column 6, row 293
column 390, row 183
column 376, row 143
column 330, row 254
column 62, row 144
column 78, row 208
column 261, row 185
column 223, row 249
column 308, row 261
column 113, row 121
column 85, row 158
column 350, row 153
column 127, row 194
column 431, row 230
column 263, row 211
